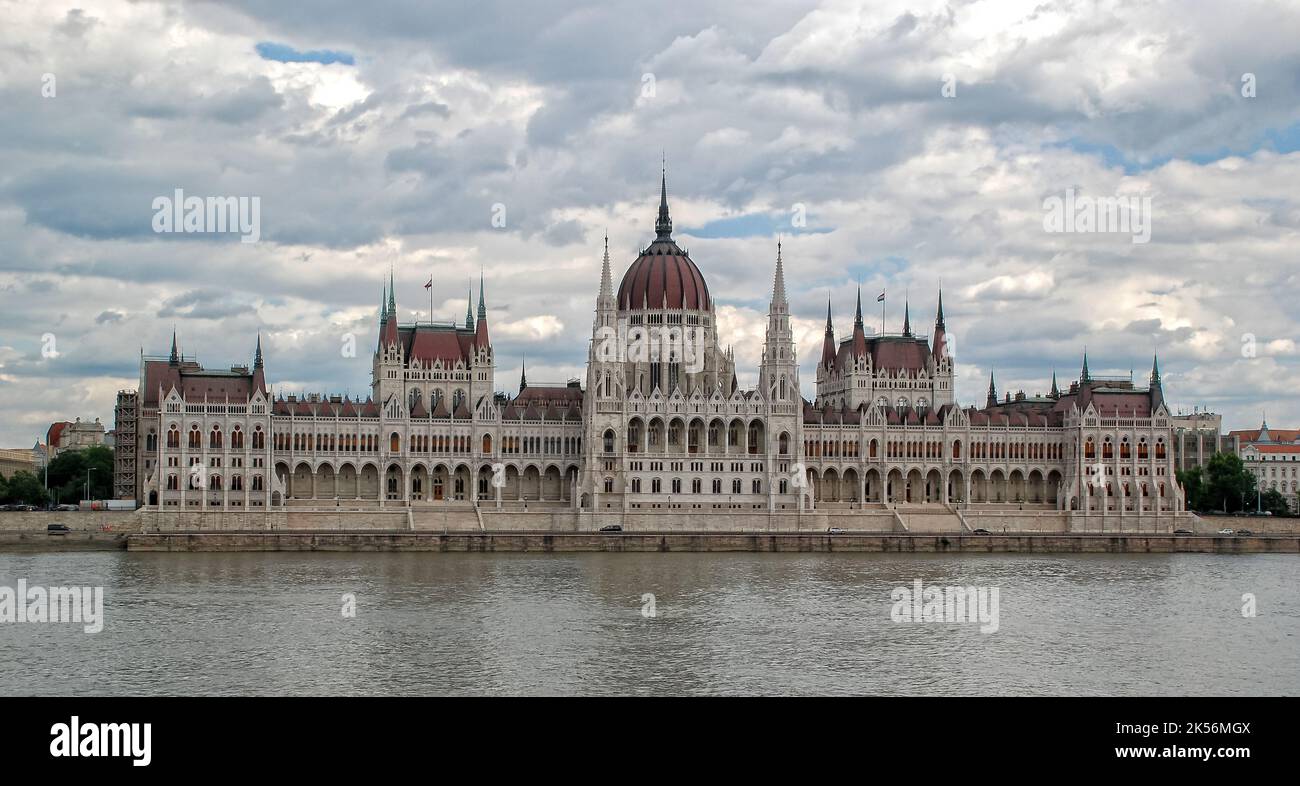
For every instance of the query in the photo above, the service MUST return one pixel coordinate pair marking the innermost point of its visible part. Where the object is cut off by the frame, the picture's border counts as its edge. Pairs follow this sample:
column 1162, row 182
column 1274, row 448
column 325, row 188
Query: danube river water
column 274, row 624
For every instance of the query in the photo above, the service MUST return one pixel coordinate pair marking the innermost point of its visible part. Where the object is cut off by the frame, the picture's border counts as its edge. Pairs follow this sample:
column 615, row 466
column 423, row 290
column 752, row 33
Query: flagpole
column 882, row 312
column 430, row 296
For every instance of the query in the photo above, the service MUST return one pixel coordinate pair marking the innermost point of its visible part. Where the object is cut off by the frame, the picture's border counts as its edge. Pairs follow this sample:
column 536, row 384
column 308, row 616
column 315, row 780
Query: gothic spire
column 664, row 224
column 523, row 375
column 1056, row 391
column 1085, row 376
column 778, row 281
column 1155, row 371
column 174, row 359
column 993, row 392
column 606, row 278
column 257, row 357
column 938, row 320
column 857, row 316
column 469, row 309
column 392, row 296
column 482, row 304
column 907, row 319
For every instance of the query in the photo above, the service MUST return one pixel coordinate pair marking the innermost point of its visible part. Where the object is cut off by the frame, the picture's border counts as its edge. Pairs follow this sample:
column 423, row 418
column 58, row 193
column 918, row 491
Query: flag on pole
column 881, row 297
column 430, row 284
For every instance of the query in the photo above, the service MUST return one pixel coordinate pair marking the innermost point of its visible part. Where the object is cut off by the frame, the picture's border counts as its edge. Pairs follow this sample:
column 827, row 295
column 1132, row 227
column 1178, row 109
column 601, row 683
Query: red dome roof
column 663, row 277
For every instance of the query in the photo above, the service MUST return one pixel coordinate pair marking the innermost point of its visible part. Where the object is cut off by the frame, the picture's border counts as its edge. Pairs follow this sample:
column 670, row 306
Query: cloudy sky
column 899, row 144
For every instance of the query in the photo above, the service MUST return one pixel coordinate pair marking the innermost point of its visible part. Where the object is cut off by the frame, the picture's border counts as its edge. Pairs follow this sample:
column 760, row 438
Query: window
column 758, row 486
column 609, row 485
column 735, row 486
column 636, row 485
column 655, row 486
column 717, row 486
column 677, row 485
column 696, row 484
column 609, row 440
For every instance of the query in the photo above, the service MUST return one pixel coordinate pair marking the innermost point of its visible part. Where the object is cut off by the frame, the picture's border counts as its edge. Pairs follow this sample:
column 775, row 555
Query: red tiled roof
column 1275, row 434
column 1277, row 448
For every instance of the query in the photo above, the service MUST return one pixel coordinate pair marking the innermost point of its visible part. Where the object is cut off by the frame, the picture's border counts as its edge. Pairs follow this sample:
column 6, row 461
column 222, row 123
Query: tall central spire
column 664, row 224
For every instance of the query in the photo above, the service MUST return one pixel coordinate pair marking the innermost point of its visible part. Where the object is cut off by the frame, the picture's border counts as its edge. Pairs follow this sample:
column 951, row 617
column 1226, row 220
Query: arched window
column 196, row 437
column 487, row 443
column 173, row 437
column 151, row 441
column 609, row 440
column 394, row 443
column 237, row 439
column 214, row 439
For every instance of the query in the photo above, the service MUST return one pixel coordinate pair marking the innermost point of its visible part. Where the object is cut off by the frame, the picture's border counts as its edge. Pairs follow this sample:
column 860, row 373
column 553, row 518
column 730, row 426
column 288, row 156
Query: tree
column 25, row 488
column 68, row 474
column 1228, row 486
column 1193, row 483
column 1273, row 502
column 4, row 487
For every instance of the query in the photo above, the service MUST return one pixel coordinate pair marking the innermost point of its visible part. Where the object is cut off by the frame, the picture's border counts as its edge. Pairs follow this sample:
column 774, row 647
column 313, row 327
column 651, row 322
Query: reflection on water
column 726, row 623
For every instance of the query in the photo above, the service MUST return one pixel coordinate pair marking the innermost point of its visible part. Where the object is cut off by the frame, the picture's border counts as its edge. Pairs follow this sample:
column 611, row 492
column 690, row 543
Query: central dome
column 663, row 276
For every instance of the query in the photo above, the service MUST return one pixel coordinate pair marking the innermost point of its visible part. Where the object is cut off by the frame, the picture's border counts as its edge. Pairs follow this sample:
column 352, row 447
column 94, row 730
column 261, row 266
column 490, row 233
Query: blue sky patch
column 283, row 53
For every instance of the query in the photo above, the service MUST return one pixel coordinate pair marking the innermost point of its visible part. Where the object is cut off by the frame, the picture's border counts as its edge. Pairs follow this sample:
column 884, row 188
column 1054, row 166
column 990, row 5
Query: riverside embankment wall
column 713, row 542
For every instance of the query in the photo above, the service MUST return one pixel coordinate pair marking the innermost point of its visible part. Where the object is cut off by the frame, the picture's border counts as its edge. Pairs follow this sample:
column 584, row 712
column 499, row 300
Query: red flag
column 881, row 299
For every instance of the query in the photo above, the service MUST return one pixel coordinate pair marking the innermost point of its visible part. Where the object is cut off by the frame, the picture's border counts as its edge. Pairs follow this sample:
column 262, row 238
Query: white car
column 1226, row 532
column 835, row 531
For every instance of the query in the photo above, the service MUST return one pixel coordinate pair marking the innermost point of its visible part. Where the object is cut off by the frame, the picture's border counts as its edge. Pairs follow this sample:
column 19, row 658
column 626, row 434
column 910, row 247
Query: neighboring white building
column 1273, row 457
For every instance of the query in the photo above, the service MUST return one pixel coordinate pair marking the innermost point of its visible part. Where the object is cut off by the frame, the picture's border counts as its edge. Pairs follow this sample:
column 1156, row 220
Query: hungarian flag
column 430, row 284
column 881, row 298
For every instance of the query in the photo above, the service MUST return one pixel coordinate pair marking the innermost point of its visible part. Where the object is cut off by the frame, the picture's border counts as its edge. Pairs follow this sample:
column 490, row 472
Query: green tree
column 1228, row 486
column 1193, row 483
column 68, row 472
column 25, row 488
column 4, row 488
column 1273, row 502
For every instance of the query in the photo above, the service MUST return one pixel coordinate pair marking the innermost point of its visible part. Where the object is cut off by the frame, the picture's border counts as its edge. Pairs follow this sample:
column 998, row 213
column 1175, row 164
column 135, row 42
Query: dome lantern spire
column 664, row 223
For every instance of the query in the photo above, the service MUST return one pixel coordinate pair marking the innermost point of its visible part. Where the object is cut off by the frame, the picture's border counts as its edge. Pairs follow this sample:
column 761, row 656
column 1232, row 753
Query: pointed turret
column 859, row 332
column 523, row 375
column 664, row 223
column 392, row 294
column 907, row 319
column 828, row 343
column 259, row 374
column 993, row 393
column 1157, row 390
column 174, row 359
column 939, row 346
column 1084, row 376
column 481, row 338
column 1056, row 391
column 469, row 310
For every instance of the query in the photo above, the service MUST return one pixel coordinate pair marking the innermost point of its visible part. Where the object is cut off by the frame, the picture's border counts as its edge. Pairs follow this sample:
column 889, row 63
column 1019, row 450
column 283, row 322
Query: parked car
column 980, row 531
column 1225, row 531
column 612, row 528
column 1244, row 532
column 66, row 507
column 835, row 531
column 27, row 508
column 58, row 529
column 1182, row 532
